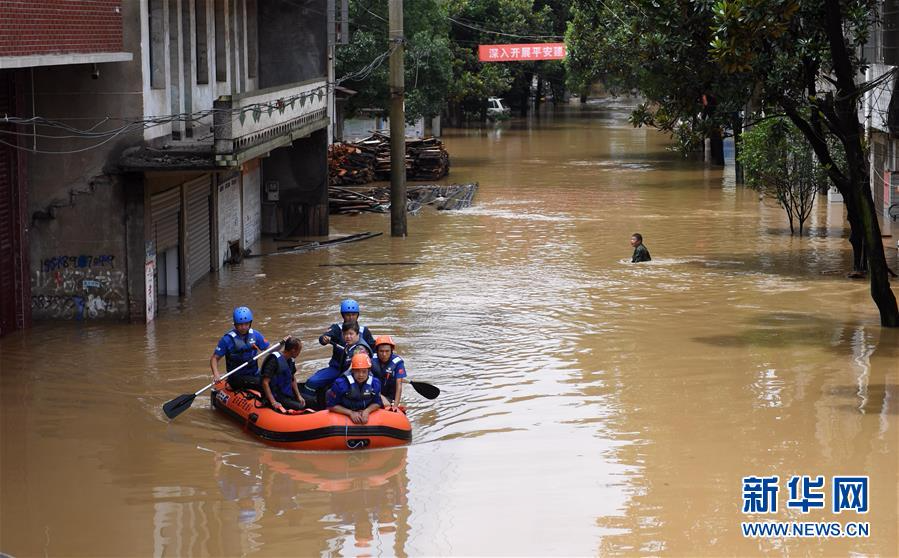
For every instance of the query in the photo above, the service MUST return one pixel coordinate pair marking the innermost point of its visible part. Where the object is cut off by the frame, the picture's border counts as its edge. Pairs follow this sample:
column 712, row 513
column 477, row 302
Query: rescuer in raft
column 315, row 386
column 389, row 368
column 239, row 346
column 349, row 311
column 357, row 393
column 279, row 386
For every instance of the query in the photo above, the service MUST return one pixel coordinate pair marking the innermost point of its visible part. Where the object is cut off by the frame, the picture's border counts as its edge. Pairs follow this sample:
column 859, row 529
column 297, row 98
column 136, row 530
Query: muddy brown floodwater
column 589, row 406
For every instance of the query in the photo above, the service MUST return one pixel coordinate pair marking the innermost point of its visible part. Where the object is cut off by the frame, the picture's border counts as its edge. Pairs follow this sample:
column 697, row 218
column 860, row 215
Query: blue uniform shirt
column 335, row 332
column 237, row 349
column 355, row 397
column 388, row 373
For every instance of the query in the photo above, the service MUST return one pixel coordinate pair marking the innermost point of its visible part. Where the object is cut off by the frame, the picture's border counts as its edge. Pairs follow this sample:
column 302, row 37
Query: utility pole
column 397, row 120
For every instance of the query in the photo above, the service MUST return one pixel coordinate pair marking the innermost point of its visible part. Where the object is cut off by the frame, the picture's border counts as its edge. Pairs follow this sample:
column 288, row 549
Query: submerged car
column 496, row 108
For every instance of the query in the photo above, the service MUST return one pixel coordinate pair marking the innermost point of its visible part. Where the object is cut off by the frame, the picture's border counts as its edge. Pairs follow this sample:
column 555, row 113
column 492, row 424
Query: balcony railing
column 249, row 124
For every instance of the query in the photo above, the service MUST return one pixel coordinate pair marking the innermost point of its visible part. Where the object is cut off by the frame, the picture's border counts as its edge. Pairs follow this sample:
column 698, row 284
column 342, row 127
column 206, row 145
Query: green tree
column 786, row 48
column 765, row 56
column 779, row 164
column 428, row 57
column 659, row 47
column 476, row 22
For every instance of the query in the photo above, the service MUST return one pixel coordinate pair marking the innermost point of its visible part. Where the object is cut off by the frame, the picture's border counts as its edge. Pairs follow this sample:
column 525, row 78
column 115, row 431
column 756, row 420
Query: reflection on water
column 588, row 405
column 281, row 501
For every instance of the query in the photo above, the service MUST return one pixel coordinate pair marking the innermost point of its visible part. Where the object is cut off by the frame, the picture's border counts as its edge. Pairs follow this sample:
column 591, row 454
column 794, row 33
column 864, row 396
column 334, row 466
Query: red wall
column 29, row 27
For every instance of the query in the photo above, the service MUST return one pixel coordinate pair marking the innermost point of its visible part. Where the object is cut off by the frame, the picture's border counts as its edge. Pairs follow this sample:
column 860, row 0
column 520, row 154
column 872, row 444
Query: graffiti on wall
column 79, row 288
column 76, row 262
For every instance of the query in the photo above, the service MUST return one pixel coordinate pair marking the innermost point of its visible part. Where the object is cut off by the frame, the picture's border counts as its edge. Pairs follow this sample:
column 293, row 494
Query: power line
column 494, row 32
column 153, row 121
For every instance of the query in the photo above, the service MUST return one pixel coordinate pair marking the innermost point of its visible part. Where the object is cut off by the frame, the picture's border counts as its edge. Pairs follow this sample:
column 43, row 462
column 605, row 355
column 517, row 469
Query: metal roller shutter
column 165, row 213
column 199, row 243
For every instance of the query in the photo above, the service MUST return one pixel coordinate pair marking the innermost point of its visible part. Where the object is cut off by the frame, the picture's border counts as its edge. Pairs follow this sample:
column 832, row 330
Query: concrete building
column 142, row 134
column 879, row 112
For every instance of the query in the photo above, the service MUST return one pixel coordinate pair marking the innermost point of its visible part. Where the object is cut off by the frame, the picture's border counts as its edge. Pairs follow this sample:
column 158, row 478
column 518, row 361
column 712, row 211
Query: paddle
column 426, row 390
column 183, row 402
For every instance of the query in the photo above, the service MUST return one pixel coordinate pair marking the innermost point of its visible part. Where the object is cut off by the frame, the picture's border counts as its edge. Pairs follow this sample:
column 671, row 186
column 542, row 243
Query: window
column 221, row 58
column 252, row 39
column 156, row 17
column 202, row 48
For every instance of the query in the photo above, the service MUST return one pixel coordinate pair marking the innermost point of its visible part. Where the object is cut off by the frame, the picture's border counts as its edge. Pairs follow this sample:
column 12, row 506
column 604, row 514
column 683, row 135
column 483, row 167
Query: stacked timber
column 348, row 164
column 430, row 161
column 377, row 199
column 347, row 200
column 369, row 159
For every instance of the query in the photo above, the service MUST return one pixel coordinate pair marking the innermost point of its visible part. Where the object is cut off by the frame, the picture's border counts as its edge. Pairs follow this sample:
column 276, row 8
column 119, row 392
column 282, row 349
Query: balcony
column 253, row 123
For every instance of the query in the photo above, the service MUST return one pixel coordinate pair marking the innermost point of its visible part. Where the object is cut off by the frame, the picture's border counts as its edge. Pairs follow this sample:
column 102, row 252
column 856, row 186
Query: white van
column 495, row 107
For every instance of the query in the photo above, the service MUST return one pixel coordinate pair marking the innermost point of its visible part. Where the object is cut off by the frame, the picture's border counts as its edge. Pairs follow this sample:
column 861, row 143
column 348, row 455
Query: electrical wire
column 501, row 33
column 141, row 124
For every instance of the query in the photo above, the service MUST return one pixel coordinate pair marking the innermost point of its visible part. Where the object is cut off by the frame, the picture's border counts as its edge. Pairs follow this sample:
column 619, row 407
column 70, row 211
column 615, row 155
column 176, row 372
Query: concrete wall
column 305, row 57
column 362, row 127
column 252, row 203
column 229, row 215
column 77, row 248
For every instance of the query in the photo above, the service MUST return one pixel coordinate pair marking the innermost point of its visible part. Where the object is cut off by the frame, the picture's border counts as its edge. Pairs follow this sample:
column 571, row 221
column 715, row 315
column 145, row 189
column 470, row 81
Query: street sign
column 521, row 53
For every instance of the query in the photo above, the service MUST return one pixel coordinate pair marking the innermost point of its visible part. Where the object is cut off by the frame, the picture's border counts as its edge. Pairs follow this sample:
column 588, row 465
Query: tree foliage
column 758, row 56
column 442, row 52
column 659, row 47
column 779, row 164
column 476, row 22
column 788, row 49
column 428, row 57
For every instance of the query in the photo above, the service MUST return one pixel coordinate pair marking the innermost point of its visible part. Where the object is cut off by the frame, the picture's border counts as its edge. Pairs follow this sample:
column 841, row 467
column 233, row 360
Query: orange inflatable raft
column 312, row 430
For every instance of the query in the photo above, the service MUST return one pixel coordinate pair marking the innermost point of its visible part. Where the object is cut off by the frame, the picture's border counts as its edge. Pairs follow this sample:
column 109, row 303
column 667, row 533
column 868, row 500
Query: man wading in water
column 641, row 254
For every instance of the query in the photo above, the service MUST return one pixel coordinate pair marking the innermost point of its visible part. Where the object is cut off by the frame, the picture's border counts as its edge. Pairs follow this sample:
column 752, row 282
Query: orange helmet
column 360, row 360
column 384, row 340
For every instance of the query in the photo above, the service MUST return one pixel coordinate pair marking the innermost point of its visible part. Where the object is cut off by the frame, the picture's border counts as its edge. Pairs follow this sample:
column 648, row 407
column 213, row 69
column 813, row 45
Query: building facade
column 136, row 160
column 879, row 112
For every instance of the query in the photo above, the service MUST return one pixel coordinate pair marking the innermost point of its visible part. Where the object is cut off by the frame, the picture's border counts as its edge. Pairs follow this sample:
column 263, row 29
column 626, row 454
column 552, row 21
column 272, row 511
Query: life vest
column 350, row 351
column 358, row 397
column 338, row 356
column 282, row 382
column 386, row 372
column 241, row 352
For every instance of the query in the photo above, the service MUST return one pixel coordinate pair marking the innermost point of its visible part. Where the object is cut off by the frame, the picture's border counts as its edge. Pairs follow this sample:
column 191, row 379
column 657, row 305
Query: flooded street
column 589, row 406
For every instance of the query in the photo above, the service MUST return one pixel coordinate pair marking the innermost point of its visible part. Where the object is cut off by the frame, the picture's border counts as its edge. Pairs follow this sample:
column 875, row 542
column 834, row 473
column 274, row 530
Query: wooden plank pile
column 348, row 164
column 430, row 161
column 346, row 200
column 369, row 159
column 377, row 199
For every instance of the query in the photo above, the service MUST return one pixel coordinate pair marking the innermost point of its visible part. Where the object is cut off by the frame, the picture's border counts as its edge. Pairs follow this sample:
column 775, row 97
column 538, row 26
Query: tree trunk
column 716, row 147
column 525, row 94
column 738, row 137
column 857, row 163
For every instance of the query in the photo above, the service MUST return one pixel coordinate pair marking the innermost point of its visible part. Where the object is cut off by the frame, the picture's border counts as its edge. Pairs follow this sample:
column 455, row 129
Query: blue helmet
column 349, row 306
column 242, row 315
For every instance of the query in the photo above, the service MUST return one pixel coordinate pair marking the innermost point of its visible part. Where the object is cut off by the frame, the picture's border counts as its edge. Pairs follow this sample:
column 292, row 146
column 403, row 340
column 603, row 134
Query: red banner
column 521, row 53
